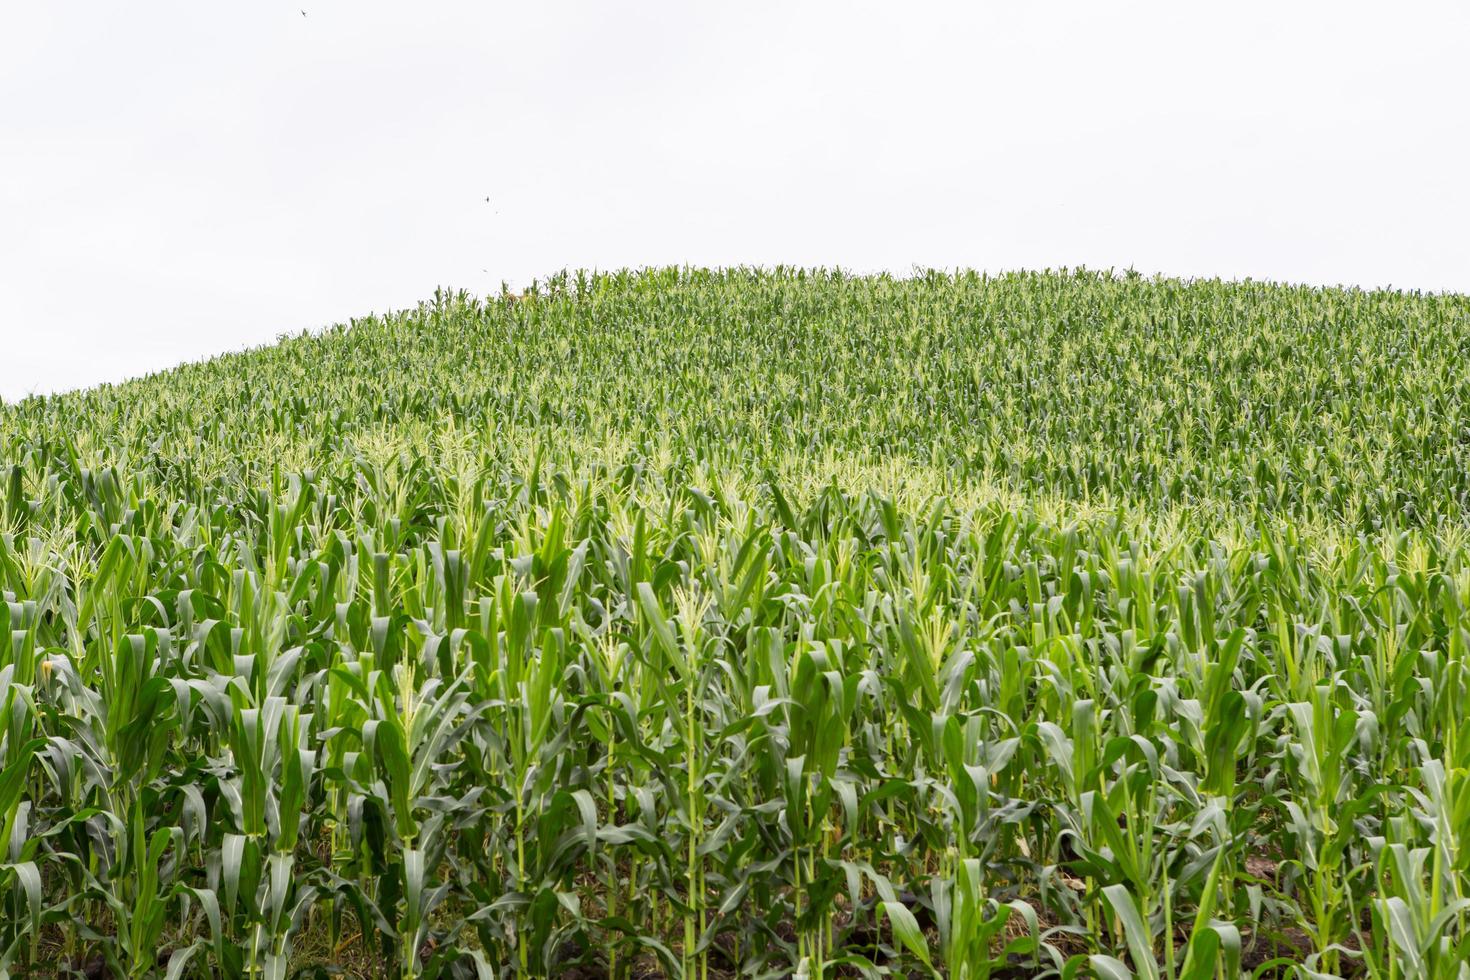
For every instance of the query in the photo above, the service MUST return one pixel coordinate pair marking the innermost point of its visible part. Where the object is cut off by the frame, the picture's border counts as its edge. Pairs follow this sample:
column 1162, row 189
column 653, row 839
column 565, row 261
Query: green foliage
column 759, row 623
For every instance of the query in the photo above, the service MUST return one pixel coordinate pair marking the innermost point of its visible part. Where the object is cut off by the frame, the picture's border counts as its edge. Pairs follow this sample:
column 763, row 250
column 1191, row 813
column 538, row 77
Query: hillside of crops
column 704, row 624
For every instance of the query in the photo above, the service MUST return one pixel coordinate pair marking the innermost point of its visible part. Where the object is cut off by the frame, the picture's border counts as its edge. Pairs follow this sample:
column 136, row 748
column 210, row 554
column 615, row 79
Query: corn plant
column 712, row 623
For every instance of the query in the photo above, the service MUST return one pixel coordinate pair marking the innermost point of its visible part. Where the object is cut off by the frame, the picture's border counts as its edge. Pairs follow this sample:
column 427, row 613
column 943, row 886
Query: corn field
column 777, row 623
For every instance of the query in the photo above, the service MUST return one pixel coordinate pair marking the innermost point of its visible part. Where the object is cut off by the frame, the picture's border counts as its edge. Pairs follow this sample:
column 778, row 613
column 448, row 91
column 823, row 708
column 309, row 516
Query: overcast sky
column 179, row 179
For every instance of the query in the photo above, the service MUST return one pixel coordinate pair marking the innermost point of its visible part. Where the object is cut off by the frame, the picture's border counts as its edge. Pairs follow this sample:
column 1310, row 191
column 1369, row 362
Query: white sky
column 179, row 179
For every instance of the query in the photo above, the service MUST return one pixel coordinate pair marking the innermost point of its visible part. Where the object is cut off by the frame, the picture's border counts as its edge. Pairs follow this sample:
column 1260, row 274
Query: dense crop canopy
column 758, row 623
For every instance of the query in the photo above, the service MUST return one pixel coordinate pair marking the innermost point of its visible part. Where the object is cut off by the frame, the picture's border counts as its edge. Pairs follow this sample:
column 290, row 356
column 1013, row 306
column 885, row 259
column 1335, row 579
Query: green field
column 753, row 623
